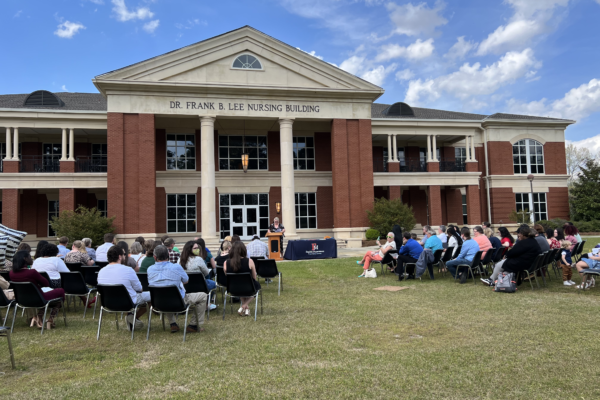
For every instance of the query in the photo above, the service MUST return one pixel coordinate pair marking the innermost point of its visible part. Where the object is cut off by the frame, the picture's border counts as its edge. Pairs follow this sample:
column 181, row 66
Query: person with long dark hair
column 454, row 239
column 397, row 231
column 38, row 249
column 506, row 238
column 129, row 261
column 559, row 234
column 23, row 246
column 570, row 232
column 239, row 263
column 50, row 263
column 552, row 242
column 208, row 258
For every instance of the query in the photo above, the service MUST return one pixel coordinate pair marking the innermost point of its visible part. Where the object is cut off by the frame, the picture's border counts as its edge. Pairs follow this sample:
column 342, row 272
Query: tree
column 576, row 157
column 520, row 217
column 82, row 223
column 387, row 213
column 585, row 196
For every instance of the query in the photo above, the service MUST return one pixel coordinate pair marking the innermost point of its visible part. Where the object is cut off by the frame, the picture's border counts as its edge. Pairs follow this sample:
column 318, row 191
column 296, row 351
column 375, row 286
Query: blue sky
column 538, row 57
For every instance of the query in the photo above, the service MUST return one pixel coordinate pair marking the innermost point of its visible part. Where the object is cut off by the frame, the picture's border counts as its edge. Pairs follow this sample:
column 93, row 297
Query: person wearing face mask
column 191, row 261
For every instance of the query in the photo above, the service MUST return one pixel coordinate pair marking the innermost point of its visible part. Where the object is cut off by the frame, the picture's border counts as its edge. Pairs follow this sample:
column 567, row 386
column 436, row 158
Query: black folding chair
column 74, row 285
column 241, row 285
column 255, row 259
column 74, row 267
column 445, row 258
column 499, row 254
column 5, row 303
column 101, row 264
column 115, row 299
column 487, row 259
column 437, row 257
column 197, row 284
column 45, row 275
column 143, row 277
column 580, row 250
column 221, row 279
column 530, row 273
column 4, row 331
column 28, row 295
column 90, row 275
column 167, row 299
column 268, row 269
column 475, row 264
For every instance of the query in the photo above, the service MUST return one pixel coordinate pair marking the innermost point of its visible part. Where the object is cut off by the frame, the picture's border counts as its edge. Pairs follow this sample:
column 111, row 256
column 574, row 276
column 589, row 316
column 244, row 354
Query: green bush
column 82, row 223
column 372, row 234
column 552, row 224
column 387, row 213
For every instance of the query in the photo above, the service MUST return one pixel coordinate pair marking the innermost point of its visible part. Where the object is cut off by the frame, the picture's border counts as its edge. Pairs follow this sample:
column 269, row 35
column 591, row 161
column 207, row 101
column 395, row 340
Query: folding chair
column 5, row 303
column 167, row 299
column 221, row 279
column 74, row 267
column 268, row 269
column 530, row 272
column 589, row 271
column 445, row 258
column 487, row 259
column 115, row 299
column 143, row 277
column 4, row 331
column 241, row 285
column 475, row 263
column 437, row 256
column 580, row 250
column 28, row 295
column 197, row 284
column 101, row 264
column 74, row 285
column 255, row 259
column 90, row 275
column 575, row 252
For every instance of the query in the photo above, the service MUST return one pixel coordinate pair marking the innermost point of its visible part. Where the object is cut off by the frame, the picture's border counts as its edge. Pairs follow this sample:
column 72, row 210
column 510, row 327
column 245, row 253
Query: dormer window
column 246, row 61
column 43, row 98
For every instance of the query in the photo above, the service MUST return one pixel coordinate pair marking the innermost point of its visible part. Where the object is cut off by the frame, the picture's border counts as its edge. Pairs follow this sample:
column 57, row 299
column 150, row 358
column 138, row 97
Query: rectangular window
column 231, row 149
column 423, row 154
column 52, row 212
column 100, row 157
column 181, row 213
column 464, row 209
column 254, row 201
column 304, row 153
column 306, row 210
column 102, row 207
column 181, row 152
column 51, row 155
column 537, row 204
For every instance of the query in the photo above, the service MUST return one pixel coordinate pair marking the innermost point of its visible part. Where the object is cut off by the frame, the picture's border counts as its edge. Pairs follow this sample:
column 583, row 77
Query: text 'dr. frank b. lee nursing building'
column 160, row 148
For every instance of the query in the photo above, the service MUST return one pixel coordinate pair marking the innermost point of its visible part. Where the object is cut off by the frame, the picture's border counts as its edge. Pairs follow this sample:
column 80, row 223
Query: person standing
column 276, row 227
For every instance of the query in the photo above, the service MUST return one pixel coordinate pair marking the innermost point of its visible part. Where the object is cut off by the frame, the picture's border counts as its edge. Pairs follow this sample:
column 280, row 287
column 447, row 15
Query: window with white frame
column 232, row 147
column 306, row 210
column 102, row 207
column 525, row 202
column 53, row 211
column 52, row 152
column 100, row 157
column 464, row 209
column 181, row 151
column 181, row 213
column 304, row 153
column 246, row 61
column 528, row 157
column 423, row 154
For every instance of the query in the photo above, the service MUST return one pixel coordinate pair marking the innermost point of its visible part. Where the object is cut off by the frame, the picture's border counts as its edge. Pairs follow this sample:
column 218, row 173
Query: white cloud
column 18, row 14
column 151, row 26
column 472, row 80
column 413, row 20
column 124, row 14
column 68, row 29
column 415, row 51
column 377, row 75
column 190, row 23
column 592, row 143
column 312, row 53
column 460, row 49
column 404, row 75
column 576, row 104
column 64, row 88
column 99, row 2
column 353, row 65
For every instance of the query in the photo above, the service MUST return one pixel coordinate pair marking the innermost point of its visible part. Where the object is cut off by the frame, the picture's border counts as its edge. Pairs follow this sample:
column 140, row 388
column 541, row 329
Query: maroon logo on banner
column 314, row 246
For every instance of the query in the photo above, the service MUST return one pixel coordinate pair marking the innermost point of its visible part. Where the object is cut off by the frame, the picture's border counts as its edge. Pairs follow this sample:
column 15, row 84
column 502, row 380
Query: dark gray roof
column 72, row 101
column 522, row 117
column 377, row 111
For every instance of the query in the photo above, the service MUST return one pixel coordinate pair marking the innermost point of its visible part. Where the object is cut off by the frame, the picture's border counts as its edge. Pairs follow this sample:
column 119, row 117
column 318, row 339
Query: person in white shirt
column 442, row 235
column 370, row 256
column 101, row 251
column 257, row 248
column 116, row 273
column 50, row 263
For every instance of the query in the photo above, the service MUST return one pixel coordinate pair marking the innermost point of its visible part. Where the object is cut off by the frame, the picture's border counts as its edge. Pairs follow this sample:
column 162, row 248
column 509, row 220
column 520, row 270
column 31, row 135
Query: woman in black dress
column 239, row 263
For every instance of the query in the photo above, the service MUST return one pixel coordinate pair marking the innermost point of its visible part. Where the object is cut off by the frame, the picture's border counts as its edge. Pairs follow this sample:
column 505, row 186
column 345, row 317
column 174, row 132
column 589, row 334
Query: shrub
column 372, row 234
column 520, row 217
column 387, row 213
column 552, row 224
column 82, row 223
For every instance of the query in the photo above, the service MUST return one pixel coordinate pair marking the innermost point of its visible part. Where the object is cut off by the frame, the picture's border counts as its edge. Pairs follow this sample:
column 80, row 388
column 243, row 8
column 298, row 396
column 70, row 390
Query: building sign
column 249, row 107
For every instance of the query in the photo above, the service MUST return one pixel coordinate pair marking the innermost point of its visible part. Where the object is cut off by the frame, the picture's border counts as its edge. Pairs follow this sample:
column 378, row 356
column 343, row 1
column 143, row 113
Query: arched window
column 528, row 157
column 43, row 98
column 246, row 61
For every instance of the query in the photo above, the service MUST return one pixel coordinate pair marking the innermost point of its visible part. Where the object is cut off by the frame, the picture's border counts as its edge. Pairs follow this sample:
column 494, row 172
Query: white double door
column 244, row 221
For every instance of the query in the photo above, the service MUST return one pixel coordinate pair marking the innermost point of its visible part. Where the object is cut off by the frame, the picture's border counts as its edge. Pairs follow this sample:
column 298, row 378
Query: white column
column 288, row 198
column 468, row 153
column 390, row 159
column 428, row 148
column 8, row 144
column 473, row 158
column 71, row 144
column 15, row 155
column 434, row 150
column 395, row 150
column 207, row 153
column 64, row 145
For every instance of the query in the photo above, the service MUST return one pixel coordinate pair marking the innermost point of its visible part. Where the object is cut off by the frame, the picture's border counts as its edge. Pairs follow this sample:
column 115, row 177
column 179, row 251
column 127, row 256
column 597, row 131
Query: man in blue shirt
column 468, row 250
column 164, row 273
column 409, row 253
column 62, row 247
column 433, row 242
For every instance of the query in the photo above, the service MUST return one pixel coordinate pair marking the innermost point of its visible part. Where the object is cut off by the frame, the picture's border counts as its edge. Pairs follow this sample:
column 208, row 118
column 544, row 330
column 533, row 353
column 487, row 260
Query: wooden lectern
column 275, row 250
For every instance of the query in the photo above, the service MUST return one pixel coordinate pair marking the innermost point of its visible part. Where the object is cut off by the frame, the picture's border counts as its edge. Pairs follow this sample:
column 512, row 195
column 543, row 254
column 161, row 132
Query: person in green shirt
column 149, row 259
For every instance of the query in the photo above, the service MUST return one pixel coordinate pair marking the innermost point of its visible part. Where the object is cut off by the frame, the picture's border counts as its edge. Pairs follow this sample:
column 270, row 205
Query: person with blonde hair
column 493, row 239
column 78, row 254
column 377, row 255
column 136, row 251
column 224, row 256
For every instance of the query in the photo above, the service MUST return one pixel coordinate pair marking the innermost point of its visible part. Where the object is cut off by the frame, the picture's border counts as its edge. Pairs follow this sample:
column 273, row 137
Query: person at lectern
column 277, row 227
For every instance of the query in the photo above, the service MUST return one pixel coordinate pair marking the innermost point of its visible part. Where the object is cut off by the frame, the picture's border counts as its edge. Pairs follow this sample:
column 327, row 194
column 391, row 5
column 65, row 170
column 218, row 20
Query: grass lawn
column 330, row 335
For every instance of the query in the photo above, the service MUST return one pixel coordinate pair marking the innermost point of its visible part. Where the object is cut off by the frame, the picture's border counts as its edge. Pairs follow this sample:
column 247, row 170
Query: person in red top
column 505, row 237
column 20, row 273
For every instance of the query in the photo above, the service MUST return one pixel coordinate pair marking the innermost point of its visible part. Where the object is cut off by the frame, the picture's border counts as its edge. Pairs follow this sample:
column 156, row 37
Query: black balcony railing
column 379, row 164
column 449, row 165
column 413, row 164
column 39, row 164
column 91, row 164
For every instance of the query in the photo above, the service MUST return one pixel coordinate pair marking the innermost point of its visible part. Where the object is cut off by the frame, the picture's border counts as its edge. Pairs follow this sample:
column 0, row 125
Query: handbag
column 371, row 273
column 506, row 283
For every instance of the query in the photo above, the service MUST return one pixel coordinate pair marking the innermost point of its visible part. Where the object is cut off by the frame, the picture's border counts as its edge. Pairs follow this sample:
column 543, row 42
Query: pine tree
column 585, row 193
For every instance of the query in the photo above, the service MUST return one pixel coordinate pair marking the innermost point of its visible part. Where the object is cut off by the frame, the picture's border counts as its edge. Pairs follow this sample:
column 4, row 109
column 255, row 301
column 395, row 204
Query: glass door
column 244, row 221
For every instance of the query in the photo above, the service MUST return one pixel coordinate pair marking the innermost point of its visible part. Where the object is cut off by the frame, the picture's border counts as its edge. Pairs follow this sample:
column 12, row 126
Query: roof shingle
column 72, row 102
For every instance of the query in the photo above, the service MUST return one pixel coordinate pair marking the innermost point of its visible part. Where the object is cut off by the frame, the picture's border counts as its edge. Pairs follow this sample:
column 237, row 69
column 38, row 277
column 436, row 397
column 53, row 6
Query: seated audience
column 454, row 239
column 426, row 229
column 148, row 244
column 486, row 225
column 206, row 255
column 227, row 239
column 224, row 256
column 166, row 273
column 88, row 248
column 116, row 273
column 519, row 258
column 506, row 238
column 140, row 240
column 38, row 249
column 482, row 240
column 240, row 263
column 541, row 239
column 378, row 255
column 20, row 273
column 570, row 232
column 149, row 259
column 164, row 238
column 137, row 251
column 50, row 263
column 257, row 248
column 78, row 254
column 576, row 234
column 63, row 241
column 22, row 246
column 101, row 251
column 130, row 262
column 495, row 242
column 169, row 243
column 442, row 236
column 552, row 241
column 397, row 235
column 235, row 238
column 467, row 252
column 591, row 262
column 408, row 253
column 566, row 262
column 191, row 261
column 559, row 234
column 433, row 242
column 413, row 236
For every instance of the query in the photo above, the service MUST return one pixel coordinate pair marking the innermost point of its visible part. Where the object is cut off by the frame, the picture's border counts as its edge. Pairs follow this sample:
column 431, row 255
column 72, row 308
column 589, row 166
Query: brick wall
column 417, row 199
column 448, row 153
column 161, row 150
column 394, row 167
column 322, row 151
column 273, row 152
column 66, row 200
column 29, row 211
column 502, row 202
column 145, row 175
column 433, row 167
column 558, row 203
column 501, row 159
column 31, row 148
column 454, row 206
column 444, row 206
column 435, row 205
column 555, row 159
column 67, row 167
column 161, row 210
column 324, row 207
column 10, row 166
column 42, row 215
column 11, row 208
column 394, row 192
column 275, row 197
column 473, row 205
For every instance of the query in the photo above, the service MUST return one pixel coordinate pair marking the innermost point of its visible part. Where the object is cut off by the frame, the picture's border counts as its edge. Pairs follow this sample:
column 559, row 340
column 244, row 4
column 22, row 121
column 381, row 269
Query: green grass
column 330, row 335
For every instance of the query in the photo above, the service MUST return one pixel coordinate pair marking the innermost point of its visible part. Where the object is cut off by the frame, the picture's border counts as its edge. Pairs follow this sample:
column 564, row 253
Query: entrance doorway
column 244, row 221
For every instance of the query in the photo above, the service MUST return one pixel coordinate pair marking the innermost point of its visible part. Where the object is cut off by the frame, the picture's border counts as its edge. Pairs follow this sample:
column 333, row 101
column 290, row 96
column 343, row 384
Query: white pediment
column 209, row 64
